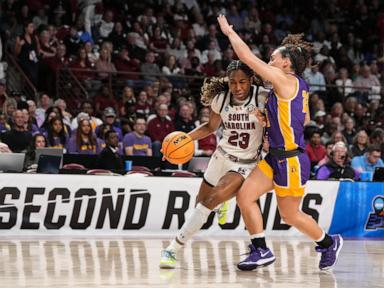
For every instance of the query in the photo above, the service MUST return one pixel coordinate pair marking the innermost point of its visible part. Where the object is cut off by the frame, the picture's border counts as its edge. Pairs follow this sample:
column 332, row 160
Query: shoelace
column 169, row 254
column 324, row 253
column 251, row 249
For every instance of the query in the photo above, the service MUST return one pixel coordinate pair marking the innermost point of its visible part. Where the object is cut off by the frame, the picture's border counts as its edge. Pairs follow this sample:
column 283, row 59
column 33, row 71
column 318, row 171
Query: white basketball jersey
column 242, row 133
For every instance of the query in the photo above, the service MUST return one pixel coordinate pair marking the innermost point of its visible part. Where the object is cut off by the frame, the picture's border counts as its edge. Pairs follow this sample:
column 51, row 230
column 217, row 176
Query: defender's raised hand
column 224, row 25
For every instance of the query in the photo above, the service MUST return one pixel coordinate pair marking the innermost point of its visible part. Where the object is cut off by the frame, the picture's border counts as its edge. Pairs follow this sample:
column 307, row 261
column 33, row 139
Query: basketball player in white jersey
column 237, row 105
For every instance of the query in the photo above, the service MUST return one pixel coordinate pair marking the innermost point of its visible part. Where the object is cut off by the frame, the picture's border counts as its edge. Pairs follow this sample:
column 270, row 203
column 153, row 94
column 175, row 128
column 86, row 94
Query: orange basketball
column 178, row 147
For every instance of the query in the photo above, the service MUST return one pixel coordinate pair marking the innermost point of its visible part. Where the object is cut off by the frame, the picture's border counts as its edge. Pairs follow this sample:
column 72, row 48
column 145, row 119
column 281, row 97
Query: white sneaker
column 168, row 259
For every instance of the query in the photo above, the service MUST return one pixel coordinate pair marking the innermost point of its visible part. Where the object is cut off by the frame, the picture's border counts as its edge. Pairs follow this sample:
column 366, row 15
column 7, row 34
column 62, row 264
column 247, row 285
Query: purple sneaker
column 258, row 257
column 329, row 255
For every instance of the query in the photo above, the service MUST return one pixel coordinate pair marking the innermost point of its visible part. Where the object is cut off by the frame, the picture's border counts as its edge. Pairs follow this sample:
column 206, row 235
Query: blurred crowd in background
column 159, row 53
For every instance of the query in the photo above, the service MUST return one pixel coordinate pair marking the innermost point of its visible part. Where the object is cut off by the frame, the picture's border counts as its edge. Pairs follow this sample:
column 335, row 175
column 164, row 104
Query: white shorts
column 219, row 165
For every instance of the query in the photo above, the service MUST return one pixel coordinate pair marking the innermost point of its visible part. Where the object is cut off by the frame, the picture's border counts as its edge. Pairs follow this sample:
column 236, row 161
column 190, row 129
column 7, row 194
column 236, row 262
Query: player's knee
column 242, row 200
column 213, row 200
column 289, row 218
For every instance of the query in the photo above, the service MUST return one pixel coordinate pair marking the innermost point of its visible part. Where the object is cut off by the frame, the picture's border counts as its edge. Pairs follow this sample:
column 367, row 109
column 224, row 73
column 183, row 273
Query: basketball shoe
column 222, row 213
column 257, row 257
column 168, row 259
column 329, row 255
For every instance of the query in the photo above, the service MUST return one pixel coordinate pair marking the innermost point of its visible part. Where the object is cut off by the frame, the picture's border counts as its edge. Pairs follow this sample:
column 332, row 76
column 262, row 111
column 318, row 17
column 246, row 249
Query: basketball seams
column 175, row 143
column 169, row 156
column 166, row 148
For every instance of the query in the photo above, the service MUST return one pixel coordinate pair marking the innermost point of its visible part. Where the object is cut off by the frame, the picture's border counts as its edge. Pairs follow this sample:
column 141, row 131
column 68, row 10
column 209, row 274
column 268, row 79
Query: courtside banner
column 359, row 210
column 133, row 206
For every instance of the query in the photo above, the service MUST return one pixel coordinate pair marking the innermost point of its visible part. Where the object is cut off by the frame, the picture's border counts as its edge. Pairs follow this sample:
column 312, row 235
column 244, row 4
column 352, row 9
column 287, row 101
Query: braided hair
column 216, row 85
column 297, row 50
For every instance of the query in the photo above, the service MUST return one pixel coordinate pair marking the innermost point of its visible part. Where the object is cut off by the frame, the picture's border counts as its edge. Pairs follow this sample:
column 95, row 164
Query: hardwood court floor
column 124, row 262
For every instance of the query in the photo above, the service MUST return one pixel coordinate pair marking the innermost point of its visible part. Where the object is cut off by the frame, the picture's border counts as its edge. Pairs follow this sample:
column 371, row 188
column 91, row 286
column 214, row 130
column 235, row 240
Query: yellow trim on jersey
column 290, row 97
column 285, row 192
column 266, row 169
column 305, row 95
column 284, row 118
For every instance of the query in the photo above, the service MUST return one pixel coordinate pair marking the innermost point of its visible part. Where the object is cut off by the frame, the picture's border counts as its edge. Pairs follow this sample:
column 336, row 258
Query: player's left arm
column 207, row 128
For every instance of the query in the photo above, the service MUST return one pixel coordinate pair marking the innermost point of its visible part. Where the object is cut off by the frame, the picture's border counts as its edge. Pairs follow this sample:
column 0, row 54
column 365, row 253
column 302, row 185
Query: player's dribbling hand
column 224, row 26
column 163, row 157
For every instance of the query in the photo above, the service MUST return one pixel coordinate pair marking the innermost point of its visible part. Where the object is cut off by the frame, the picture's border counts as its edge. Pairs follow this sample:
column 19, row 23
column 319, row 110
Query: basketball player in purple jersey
column 286, row 168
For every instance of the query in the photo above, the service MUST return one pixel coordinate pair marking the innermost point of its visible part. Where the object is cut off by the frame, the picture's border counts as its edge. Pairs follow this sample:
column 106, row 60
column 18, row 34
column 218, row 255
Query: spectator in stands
column 369, row 161
column 204, row 42
column 320, row 120
column 28, row 122
column 130, row 117
column 62, row 105
column 377, row 138
column 41, row 18
column 142, row 106
column 159, row 127
column 328, row 156
column 105, row 99
column 45, row 102
column 53, row 65
column 171, row 67
column 234, row 17
column 324, row 56
column 209, row 67
column 27, row 49
column 72, row 42
column 38, row 141
column 315, row 150
column 158, row 42
column 104, row 67
column 56, row 134
column 32, row 111
column 86, row 109
column 344, row 83
column 84, row 141
column 124, row 63
column 199, row 27
column 83, row 35
column 360, row 143
column 337, row 167
column 212, row 52
column 92, row 53
column 137, row 143
column 185, row 121
column 367, row 83
column 109, row 118
column 106, row 25
column 47, row 49
column 207, row 145
column 349, row 131
column 150, row 67
column 127, row 98
column 135, row 50
column 9, row 107
column 4, row 126
column 109, row 157
column 337, row 136
column 80, row 64
column 3, row 91
column 4, row 148
column 17, row 138
column 51, row 112
column 350, row 105
column 314, row 78
column 118, row 37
